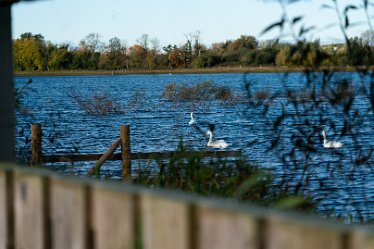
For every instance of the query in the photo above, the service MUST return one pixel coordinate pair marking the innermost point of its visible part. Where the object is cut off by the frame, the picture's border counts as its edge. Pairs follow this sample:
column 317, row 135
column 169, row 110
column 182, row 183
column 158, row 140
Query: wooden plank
column 113, row 219
column 222, row 229
column 126, row 152
column 361, row 239
column 168, row 154
column 36, row 144
column 135, row 156
column 281, row 233
column 29, row 211
column 165, row 223
column 3, row 211
column 104, row 157
column 68, row 214
column 78, row 158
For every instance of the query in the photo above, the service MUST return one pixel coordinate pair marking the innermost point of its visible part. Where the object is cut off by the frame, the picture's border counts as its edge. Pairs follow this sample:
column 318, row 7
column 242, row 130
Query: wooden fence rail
column 126, row 156
column 40, row 210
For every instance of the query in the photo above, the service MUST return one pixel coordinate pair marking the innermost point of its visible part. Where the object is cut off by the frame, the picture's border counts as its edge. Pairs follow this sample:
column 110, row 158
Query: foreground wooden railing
column 40, row 209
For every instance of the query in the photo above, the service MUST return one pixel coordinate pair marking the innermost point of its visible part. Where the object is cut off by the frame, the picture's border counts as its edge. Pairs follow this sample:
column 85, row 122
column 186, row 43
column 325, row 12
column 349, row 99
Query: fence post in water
column 36, row 144
column 126, row 152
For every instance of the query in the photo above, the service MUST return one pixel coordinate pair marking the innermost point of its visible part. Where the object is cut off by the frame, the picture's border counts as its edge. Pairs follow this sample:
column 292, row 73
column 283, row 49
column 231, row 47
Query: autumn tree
column 29, row 52
column 87, row 55
column 60, row 58
column 114, row 56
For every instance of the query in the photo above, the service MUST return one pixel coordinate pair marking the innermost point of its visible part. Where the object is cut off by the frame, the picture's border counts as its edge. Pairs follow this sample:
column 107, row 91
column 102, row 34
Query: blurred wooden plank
column 361, row 239
column 29, row 211
column 3, row 211
column 283, row 234
column 68, row 214
column 7, row 111
column 219, row 228
column 113, row 219
column 165, row 223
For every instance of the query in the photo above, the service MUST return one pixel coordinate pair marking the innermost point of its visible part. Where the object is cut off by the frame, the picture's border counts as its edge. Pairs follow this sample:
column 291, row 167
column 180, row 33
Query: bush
column 98, row 104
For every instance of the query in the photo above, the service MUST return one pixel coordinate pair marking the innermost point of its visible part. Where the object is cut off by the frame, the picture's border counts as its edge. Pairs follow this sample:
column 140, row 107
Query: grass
column 264, row 69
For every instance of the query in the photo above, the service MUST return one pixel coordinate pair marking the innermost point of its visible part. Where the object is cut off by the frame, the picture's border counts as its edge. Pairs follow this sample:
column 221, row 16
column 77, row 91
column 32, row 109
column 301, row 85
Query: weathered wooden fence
column 126, row 155
column 40, row 210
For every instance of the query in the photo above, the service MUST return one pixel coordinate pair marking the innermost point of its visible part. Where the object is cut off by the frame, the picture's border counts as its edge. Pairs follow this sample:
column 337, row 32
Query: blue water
column 341, row 188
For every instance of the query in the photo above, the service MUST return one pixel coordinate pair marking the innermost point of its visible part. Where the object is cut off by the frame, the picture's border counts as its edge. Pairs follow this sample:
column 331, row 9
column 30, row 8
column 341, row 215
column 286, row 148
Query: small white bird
column 192, row 121
column 330, row 144
column 216, row 144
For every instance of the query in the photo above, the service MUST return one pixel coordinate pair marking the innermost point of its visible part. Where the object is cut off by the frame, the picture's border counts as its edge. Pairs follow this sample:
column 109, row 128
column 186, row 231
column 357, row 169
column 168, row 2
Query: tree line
column 33, row 53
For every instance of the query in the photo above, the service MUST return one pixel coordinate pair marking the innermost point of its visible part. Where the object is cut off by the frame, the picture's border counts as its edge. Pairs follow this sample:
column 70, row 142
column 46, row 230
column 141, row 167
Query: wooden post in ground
column 36, row 144
column 126, row 152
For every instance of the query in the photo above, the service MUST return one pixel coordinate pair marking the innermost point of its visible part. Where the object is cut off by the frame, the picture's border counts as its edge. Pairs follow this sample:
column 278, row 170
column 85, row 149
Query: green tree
column 114, row 57
column 60, row 58
column 29, row 52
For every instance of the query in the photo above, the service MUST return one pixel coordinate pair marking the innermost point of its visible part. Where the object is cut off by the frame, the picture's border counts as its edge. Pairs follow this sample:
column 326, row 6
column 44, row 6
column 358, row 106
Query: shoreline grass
column 215, row 70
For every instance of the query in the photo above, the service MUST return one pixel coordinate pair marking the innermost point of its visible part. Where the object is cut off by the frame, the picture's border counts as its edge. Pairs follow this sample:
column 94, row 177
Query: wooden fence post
column 36, row 144
column 126, row 152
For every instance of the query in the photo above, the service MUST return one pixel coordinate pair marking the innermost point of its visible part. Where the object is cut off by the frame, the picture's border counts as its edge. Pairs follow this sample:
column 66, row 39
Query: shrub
column 205, row 90
column 98, row 104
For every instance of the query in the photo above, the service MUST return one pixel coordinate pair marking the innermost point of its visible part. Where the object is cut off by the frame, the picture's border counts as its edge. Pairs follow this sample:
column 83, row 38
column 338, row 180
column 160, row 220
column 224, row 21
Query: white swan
column 216, row 144
column 330, row 144
column 192, row 121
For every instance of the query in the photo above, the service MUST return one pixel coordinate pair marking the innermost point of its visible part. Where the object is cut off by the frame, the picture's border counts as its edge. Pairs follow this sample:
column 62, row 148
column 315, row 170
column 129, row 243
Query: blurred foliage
column 342, row 104
column 20, row 92
column 217, row 177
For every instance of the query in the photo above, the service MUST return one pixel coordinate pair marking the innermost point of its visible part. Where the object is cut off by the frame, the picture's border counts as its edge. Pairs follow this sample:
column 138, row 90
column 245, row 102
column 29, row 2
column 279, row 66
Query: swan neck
column 210, row 136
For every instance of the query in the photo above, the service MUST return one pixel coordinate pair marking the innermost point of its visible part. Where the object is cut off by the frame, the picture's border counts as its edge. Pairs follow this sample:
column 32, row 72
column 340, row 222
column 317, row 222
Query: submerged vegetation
column 201, row 91
column 97, row 104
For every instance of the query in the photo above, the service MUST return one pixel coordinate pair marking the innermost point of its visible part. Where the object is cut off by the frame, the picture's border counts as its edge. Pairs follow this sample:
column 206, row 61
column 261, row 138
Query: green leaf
column 346, row 22
column 297, row 19
column 291, row 202
column 304, row 30
column 326, row 6
column 274, row 25
column 349, row 7
column 250, row 183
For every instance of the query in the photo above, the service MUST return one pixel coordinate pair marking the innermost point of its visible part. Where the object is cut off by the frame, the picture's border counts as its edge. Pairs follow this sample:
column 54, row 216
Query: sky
column 69, row 21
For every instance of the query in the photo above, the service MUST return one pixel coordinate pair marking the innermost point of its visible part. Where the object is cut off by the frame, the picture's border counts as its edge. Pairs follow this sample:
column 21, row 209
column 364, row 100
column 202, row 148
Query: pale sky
column 61, row 21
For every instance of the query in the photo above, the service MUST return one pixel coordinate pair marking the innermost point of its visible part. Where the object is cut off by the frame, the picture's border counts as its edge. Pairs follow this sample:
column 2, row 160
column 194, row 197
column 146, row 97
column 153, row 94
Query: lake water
column 341, row 188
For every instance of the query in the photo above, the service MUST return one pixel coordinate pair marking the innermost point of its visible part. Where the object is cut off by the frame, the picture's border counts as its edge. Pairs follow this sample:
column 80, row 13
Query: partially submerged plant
column 202, row 91
column 98, row 104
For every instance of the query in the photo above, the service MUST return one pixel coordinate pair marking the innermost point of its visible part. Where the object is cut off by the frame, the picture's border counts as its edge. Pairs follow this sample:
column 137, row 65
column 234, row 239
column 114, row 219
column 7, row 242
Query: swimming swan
column 330, row 144
column 216, row 144
column 192, row 121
